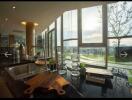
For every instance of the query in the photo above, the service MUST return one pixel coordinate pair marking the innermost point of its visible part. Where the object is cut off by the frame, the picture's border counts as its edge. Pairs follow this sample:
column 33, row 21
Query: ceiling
column 42, row 12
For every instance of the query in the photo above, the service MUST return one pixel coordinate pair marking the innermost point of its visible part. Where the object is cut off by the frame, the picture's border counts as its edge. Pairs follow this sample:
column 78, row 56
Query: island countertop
column 20, row 63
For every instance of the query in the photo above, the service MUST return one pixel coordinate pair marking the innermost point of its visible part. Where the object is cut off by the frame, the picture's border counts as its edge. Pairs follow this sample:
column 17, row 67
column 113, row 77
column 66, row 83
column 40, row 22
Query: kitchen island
column 17, row 84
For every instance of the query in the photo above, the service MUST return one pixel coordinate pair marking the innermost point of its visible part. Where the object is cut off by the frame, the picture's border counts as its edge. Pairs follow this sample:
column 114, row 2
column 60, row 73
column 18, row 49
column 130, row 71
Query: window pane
column 69, row 48
column 39, row 40
column 92, row 25
column 126, row 42
column 93, row 56
column 20, row 39
column 43, row 38
column 59, row 54
column 59, row 31
column 50, row 44
column 39, row 45
column 119, row 19
column 53, row 44
column 125, row 55
column 70, row 24
column 52, row 26
column 4, row 40
column 46, row 44
column 119, row 25
column 59, row 39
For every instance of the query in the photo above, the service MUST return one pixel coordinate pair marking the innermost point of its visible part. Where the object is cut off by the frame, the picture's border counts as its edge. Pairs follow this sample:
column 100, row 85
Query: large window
column 46, row 44
column 58, row 28
column 91, row 41
column 104, row 33
column 119, row 19
column 51, row 43
column 44, row 41
column 124, row 57
column 120, row 34
column 52, row 26
column 70, row 24
column 59, row 31
column 43, row 38
column 39, row 45
column 92, row 25
column 70, row 34
column 20, row 39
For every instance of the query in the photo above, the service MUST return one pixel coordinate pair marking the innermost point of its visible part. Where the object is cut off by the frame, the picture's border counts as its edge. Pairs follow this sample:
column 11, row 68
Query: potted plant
column 52, row 64
column 82, row 70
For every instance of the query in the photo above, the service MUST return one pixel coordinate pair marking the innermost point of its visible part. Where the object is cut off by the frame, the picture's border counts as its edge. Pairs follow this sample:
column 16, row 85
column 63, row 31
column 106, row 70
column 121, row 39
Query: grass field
column 111, row 59
column 130, row 71
column 130, row 80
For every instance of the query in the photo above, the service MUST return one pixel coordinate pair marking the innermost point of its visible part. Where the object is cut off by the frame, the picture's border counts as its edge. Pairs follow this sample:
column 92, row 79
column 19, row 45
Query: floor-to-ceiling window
column 70, row 34
column 58, row 28
column 39, row 45
column 51, row 41
column 44, row 42
column 120, row 34
column 93, row 27
column 91, row 40
column 53, row 44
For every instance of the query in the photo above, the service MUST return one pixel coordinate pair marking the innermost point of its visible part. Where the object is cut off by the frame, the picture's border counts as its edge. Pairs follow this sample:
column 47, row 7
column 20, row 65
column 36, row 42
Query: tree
column 120, row 21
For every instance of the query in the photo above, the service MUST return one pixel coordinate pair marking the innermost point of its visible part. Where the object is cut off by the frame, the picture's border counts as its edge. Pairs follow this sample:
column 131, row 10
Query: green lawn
column 130, row 77
column 111, row 59
column 130, row 71
column 130, row 80
column 98, row 57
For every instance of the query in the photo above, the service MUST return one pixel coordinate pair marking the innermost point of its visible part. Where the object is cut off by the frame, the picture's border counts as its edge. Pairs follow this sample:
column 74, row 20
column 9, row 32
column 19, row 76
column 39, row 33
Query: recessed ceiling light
column 13, row 7
column 6, row 19
column 23, row 23
column 36, row 24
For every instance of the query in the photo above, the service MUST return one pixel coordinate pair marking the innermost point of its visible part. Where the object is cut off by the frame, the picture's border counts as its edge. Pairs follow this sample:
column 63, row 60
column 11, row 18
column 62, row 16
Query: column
column 29, row 38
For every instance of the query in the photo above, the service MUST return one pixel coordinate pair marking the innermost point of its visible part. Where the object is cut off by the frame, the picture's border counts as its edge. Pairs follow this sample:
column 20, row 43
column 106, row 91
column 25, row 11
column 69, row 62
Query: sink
column 19, row 72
